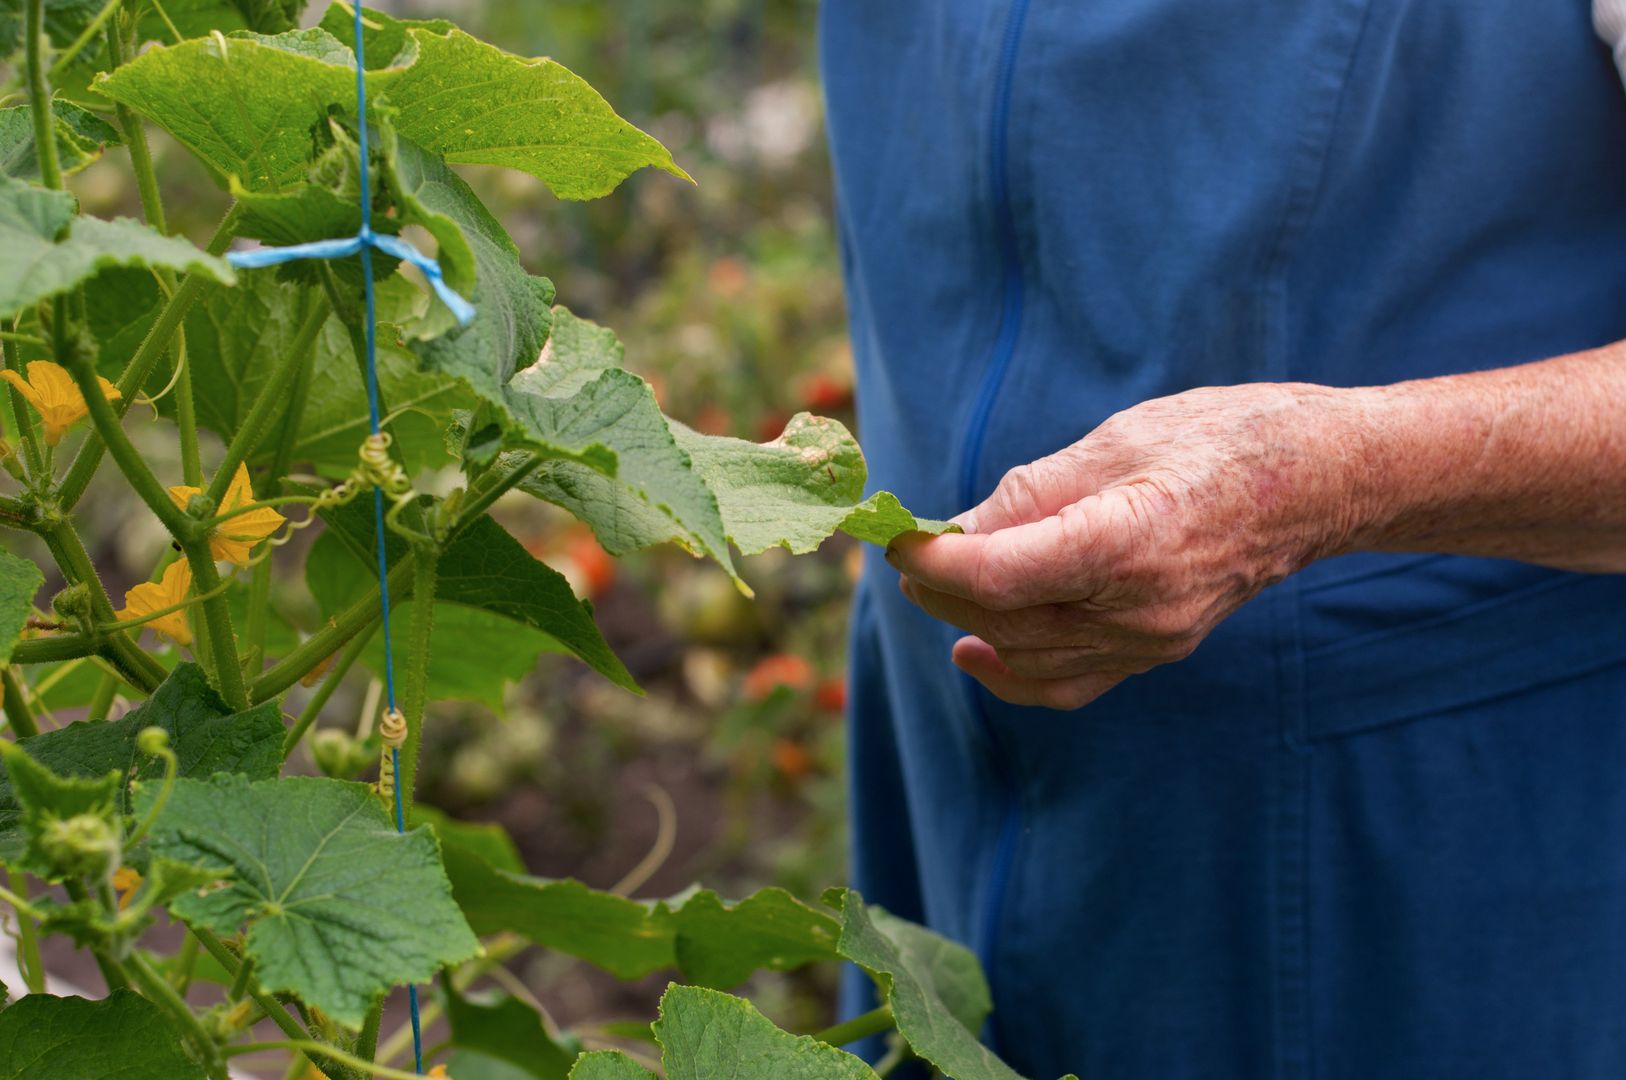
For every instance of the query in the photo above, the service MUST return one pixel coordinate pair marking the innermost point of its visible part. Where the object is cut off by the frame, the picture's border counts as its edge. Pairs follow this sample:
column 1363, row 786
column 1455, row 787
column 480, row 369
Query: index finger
column 1057, row 559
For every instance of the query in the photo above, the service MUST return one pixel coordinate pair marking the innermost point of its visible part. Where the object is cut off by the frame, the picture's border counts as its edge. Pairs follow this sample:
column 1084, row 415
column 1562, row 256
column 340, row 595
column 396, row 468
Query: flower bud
column 152, row 741
column 338, row 754
column 83, row 845
column 72, row 602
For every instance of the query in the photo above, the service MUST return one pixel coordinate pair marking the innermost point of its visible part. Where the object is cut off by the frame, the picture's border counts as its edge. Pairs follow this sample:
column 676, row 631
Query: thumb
column 1035, row 491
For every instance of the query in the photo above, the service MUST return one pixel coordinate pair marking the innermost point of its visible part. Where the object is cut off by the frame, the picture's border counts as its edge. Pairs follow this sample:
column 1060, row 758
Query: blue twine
column 364, row 243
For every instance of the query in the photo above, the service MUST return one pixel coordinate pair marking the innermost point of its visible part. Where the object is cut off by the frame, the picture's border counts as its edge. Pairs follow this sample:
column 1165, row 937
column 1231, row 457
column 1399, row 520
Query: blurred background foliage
column 728, row 297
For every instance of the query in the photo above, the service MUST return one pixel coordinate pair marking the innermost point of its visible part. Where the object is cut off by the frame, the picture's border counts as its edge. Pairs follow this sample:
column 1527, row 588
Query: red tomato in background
column 780, row 669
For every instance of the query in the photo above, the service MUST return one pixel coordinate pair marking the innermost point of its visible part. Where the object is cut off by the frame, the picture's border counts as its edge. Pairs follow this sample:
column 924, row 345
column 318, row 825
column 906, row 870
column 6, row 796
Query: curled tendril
column 374, row 468
column 392, row 732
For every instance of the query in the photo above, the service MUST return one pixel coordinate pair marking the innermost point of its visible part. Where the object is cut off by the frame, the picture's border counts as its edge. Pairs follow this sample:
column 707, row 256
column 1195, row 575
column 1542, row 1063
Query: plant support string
column 363, row 244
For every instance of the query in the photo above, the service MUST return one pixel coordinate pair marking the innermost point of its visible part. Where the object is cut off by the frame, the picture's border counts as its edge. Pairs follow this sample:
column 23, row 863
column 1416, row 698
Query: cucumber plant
column 302, row 904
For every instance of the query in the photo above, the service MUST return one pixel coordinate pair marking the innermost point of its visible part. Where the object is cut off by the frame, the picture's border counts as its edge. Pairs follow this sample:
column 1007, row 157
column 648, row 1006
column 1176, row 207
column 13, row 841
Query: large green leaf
column 487, row 569
column 713, row 942
column 121, row 1037
column 608, row 1065
column 475, row 104
column 206, row 736
column 49, row 250
column 509, row 1030
column 935, row 987
column 339, row 906
column 794, row 492
column 706, row 1035
column 719, row 945
column 246, row 105
column 80, row 137
column 20, row 579
column 577, row 396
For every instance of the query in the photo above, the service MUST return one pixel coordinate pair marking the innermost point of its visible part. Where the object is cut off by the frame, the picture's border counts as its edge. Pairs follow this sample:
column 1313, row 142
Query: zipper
column 997, row 887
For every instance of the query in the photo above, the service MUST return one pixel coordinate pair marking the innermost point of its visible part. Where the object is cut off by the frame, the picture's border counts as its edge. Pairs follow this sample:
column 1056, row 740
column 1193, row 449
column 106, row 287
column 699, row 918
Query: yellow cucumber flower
column 126, row 881
column 168, row 591
column 233, row 539
column 55, row 396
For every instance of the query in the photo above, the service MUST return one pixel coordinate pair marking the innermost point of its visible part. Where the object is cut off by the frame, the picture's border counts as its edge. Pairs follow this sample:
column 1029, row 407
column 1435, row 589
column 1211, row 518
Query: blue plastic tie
column 363, row 244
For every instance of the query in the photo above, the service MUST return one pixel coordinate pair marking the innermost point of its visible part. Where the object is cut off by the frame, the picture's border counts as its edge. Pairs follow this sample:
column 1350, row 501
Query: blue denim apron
column 1376, row 826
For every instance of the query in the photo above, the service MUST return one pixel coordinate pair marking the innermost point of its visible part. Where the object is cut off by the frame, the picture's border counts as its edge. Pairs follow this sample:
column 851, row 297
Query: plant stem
column 158, row 990
column 39, row 95
column 25, row 421
column 142, row 671
column 28, row 960
column 239, row 982
column 152, row 208
column 135, row 138
column 49, row 650
column 135, row 374
column 414, row 686
column 18, row 714
column 313, row 708
column 479, row 503
column 311, row 1046
column 298, row 395
column 217, row 623
column 102, row 700
column 274, row 1009
column 112, row 972
column 269, row 403
column 319, row 646
column 181, row 526
column 859, row 1027
column 367, row 1043
column 186, row 962
column 259, row 610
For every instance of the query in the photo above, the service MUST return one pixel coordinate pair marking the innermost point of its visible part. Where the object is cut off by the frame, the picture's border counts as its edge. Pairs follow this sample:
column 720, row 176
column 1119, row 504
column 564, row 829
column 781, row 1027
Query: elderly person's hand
column 1124, row 550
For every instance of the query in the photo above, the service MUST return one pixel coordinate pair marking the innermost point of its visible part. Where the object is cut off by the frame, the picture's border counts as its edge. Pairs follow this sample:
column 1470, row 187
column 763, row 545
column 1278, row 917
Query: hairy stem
column 217, row 623
column 126, row 456
column 274, row 1009
column 311, row 1046
column 39, row 95
column 140, row 670
column 161, row 993
column 28, row 942
column 480, row 501
column 873, row 1022
column 25, row 420
column 367, row 1043
column 415, row 683
column 18, row 714
column 112, row 971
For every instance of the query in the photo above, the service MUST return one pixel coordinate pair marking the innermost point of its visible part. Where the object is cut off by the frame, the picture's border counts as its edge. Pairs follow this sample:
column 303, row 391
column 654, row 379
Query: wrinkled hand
column 1124, row 550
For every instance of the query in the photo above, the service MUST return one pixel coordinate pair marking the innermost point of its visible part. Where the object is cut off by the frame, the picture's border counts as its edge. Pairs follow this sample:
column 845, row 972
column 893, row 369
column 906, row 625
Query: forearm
column 1525, row 463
